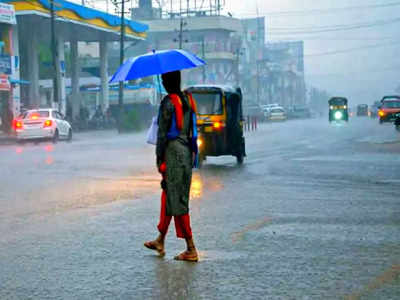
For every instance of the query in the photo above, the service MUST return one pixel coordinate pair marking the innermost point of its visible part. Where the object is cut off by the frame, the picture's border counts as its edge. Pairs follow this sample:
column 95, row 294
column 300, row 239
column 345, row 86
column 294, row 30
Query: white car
column 268, row 107
column 276, row 114
column 42, row 124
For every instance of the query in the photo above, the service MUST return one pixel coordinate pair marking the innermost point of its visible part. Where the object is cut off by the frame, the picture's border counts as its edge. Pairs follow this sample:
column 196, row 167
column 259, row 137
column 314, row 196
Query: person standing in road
column 175, row 151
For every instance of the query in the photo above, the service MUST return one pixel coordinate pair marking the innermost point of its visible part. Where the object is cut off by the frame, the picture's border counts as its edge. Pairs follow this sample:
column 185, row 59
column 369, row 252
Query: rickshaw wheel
column 239, row 159
column 201, row 159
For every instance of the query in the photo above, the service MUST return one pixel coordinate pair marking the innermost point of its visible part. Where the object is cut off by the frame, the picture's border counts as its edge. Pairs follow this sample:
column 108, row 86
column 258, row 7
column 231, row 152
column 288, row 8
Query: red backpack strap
column 176, row 101
column 192, row 102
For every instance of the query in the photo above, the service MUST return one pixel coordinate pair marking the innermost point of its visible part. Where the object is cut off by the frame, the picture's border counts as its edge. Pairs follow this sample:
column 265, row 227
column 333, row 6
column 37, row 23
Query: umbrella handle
column 159, row 87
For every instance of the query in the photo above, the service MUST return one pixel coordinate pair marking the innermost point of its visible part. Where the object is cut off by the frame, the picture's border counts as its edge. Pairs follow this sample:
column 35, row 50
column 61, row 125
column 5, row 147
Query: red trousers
column 182, row 223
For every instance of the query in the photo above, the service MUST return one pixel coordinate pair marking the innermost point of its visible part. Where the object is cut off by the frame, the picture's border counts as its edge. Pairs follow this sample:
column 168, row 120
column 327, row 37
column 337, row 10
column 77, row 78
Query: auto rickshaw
column 338, row 109
column 219, row 121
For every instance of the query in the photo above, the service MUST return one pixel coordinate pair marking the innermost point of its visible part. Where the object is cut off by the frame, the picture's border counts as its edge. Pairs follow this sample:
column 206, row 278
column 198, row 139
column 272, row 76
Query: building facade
column 284, row 62
column 9, row 66
column 207, row 34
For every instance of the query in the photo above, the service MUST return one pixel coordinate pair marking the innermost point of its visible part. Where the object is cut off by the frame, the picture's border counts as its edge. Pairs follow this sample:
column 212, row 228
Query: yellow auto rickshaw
column 219, row 121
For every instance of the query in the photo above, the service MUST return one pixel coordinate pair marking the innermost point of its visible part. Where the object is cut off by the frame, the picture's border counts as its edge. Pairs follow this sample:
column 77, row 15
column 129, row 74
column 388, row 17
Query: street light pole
column 121, row 61
column 203, row 53
column 237, row 66
column 54, row 52
column 180, row 33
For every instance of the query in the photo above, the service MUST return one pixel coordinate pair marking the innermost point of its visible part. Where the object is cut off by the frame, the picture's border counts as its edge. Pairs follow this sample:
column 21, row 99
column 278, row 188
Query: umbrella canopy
column 156, row 63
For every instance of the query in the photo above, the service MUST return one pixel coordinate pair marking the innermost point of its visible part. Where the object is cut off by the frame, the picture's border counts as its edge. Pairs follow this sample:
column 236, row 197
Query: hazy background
column 362, row 63
column 363, row 74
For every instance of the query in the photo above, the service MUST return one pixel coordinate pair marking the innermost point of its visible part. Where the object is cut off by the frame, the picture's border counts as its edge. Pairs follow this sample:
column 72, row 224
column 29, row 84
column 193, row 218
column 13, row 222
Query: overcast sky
column 363, row 75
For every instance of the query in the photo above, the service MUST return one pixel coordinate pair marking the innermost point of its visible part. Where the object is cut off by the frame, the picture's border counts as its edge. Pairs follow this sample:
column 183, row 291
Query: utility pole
column 258, row 47
column 121, row 61
column 237, row 66
column 180, row 33
column 182, row 23
column 54, row 52
column 203, row 54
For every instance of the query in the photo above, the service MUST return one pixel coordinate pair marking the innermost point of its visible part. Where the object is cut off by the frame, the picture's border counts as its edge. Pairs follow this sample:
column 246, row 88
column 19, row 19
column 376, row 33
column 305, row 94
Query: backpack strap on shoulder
column 192, row 103
column 176, row 101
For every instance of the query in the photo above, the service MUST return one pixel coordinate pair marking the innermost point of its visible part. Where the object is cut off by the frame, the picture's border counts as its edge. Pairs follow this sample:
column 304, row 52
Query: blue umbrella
column 156, row 63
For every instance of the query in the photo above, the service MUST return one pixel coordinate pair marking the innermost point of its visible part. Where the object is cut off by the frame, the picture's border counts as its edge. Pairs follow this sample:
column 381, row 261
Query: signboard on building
column 254, row 30
column 7, row 14
column 4, row 83
column 5, row 64
column 290, row 55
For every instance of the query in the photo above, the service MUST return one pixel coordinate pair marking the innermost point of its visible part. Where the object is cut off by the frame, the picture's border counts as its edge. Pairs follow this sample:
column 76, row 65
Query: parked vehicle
column 219, row 121
column 389, row 107
column 276, row 114
column 338, row 109
column 42, row 124
column 362, row 110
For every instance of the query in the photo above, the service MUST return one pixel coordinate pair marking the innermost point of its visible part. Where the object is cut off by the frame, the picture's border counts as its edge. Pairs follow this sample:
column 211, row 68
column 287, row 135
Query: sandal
column 186, row 256
column 153, row 246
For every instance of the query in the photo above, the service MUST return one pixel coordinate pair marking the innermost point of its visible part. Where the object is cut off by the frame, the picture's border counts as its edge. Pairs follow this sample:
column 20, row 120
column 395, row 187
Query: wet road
column 314, row 213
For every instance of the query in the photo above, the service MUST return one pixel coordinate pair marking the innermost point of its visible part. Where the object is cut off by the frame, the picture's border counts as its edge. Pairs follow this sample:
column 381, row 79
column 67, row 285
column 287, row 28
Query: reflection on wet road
column 312, row 214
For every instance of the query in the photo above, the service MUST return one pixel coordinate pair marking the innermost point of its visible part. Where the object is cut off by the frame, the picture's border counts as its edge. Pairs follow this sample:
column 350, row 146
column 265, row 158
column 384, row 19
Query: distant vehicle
column 299, row 112
column 389, row 107
column 362, row 110
column 374, row 108
column 276, row 114
column 42, row 124
column 338, row 109
column 266, row 108
column 269, row 106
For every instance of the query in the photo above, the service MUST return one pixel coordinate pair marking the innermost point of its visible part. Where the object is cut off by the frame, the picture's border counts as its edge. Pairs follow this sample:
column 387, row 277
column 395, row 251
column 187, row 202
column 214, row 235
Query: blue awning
column 90, row 13
column 19, row 81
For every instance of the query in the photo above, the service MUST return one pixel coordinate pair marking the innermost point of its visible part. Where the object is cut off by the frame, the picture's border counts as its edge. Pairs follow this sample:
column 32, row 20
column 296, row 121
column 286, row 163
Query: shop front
column 8, row 92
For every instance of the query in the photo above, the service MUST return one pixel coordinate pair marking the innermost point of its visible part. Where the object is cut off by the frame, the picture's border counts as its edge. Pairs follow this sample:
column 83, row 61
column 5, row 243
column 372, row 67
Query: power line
column 344, row 74
column 320, row 38
column 331, row 28
column 323, row 27
column 296, row 13
column 353, row 49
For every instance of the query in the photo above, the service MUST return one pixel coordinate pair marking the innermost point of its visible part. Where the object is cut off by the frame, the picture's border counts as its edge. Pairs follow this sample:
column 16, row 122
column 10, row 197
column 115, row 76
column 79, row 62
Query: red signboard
column 4, row 83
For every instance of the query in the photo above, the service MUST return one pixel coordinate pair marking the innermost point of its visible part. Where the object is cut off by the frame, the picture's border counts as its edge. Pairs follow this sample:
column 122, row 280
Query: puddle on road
column 379, row 140
column 238, row 236
column 204, row 183
column 89, row 191
column 353, row 158
column 215, row 255
column 196, row 189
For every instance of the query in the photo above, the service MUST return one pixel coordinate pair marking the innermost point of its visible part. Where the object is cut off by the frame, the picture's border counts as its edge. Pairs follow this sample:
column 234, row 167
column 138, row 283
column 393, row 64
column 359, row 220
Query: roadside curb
column 7, row 140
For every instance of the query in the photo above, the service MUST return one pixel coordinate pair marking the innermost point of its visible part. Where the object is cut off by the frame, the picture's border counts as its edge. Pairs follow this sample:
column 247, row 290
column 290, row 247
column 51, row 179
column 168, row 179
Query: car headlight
column 338, row 115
